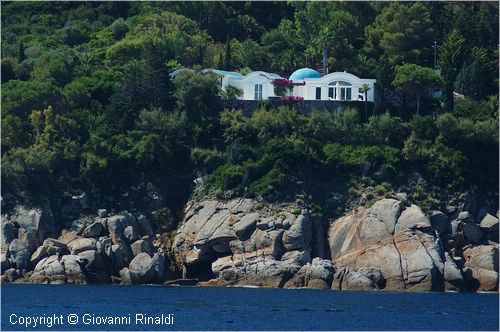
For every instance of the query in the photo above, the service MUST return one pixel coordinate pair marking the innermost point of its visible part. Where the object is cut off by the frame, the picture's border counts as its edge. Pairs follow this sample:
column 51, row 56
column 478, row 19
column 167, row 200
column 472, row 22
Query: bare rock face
column 481, row 267
column 242, row 242
column 396, row 239
column 141, row 269
column 57, row 270
column 317, row 274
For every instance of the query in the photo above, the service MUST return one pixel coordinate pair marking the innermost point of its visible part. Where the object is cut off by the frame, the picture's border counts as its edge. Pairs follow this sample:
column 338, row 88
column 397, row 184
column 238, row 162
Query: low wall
column 306, row 106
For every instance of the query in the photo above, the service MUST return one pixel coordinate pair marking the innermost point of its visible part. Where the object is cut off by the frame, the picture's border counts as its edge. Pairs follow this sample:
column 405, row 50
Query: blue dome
column 303, row 73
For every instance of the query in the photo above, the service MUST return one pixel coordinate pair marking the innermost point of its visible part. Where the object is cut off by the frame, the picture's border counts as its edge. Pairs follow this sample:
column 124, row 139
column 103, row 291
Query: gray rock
column 19, row 254
column 142, row 269
column 452, row 276
column 412, row 218
column 125, row 276
column 411, row 258
column 246, row 225
column 482, row 264
column 345, row 279
column 144, row 226
column 140, row 246
column 120, row 256
column 28, row 239
column 318, row 274
column 489, row 223
column 472, row 232
column 158, row 263
column 4, row 259
column 9, row 233
column 131, row 234
column 439, row 221
column 374, row 274
column 117, row 224
column 74, row 269
column 81, row 244
column 37, row 222
column 298, row 237
column 465, row 216
column 95, row 266
column 11, row 275
column 93, row 230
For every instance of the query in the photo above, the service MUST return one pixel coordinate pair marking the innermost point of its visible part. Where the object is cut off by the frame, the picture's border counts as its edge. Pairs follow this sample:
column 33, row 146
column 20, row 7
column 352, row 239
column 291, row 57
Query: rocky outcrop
column 242, row 242
column 481, row 267
column 398, row 240
column 317, row 274
column 94, row 250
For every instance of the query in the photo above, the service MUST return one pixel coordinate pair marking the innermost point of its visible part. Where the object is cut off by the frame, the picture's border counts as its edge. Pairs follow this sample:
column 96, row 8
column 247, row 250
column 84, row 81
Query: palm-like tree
column 364, row 89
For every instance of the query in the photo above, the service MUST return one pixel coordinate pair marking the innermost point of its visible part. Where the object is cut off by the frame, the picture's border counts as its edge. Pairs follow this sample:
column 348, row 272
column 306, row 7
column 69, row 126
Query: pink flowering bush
column 282, row 86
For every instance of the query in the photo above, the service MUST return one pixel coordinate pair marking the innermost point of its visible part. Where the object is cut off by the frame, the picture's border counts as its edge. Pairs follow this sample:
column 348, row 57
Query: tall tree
column 450, row 61
column 416, row 80
column 476, row 78
column 227, row 59
column 402, row 31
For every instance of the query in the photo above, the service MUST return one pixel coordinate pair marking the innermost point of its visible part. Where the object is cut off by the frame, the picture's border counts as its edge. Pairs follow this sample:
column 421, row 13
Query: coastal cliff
column 390, row 245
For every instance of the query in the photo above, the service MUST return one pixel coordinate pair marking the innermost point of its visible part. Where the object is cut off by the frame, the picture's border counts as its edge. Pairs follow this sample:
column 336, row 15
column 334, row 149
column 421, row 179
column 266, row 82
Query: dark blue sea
column 54, row 307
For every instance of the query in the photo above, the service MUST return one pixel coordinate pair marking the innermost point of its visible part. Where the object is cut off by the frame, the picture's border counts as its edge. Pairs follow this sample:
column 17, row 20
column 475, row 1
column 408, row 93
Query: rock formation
column 94, row 251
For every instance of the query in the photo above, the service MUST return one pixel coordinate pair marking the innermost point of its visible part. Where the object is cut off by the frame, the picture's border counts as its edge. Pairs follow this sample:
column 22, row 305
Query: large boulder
column 39, row 223
column 298, row 237
column 60, row 270
column 140, row 246
column 453, row 279
column 481, row 267
column 396, row 239
column 439, row 221
column 317, row 274
column 19, row 254
column 8, row 233
column 489, row 223
column 142, row 269
column 93, row 230
column 81, row 244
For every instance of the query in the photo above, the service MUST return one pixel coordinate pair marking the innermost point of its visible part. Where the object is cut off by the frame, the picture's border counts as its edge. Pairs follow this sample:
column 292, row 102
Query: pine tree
column 227, row 59
column 450, row 61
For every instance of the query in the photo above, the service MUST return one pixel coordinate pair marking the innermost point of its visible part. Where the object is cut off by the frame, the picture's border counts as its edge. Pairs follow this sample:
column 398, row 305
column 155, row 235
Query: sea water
column 113, row 307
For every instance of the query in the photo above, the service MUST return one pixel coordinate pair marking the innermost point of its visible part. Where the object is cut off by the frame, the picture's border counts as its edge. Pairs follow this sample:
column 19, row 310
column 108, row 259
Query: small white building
column 257, row 85
column 334, row 86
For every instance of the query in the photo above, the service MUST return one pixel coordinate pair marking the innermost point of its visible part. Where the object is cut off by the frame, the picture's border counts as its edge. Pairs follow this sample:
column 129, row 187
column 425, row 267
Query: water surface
column 213, row 308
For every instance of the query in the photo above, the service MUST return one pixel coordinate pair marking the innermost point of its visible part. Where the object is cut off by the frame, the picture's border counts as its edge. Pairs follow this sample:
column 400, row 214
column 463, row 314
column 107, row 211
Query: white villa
column 310, row 85
column 257, row 85
column 333, row 86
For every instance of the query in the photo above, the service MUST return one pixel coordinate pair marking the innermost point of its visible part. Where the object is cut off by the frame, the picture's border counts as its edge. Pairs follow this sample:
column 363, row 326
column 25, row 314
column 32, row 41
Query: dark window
column 318, row 93
column 331, row 93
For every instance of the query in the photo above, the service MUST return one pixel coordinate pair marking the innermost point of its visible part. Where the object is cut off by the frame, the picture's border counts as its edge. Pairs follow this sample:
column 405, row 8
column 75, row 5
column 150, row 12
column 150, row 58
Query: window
column 331, row 93
column 345, row 93
column 318, row 93
column 340, row 86
column 258, row 91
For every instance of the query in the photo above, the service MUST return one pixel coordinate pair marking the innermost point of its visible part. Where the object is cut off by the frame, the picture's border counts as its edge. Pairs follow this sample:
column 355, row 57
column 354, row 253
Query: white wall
column 309, row 92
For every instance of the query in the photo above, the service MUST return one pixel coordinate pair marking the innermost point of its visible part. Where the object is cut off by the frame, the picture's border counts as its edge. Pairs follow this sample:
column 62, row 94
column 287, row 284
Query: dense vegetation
column 88, row 104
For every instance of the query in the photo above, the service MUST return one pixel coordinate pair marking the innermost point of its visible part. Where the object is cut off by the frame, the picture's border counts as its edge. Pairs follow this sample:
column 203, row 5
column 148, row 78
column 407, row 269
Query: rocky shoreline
column 391, row 245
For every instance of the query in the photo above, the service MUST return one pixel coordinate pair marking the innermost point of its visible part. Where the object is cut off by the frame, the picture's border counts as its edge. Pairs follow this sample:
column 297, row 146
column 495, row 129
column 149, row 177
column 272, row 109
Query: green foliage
column 231, row 93
column 118, row 124
column 476, row 76
column 450, row 60
column 416, row 80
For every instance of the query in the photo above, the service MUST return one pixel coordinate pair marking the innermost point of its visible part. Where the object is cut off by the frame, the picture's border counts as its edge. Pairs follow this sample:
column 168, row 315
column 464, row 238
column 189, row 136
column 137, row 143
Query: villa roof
column 303, row 73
